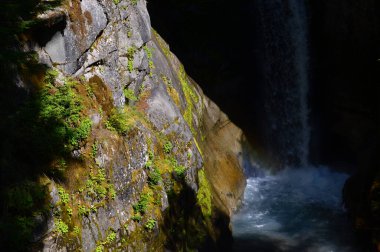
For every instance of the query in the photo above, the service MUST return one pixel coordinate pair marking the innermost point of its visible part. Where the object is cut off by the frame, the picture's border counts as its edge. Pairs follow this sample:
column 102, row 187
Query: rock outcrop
column 158, row 164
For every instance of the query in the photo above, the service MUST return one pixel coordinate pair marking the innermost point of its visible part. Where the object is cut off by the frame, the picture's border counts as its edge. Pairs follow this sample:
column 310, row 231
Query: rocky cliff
column 119, row 149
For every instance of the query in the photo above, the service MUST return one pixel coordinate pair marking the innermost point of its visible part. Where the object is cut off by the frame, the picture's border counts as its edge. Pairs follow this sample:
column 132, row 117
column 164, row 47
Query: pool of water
column 294, row 210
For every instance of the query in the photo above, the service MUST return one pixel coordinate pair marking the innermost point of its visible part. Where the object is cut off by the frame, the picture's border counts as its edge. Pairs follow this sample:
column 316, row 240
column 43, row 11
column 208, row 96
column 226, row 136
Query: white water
column 299, row 208
column 286, row 82
column 294, row 210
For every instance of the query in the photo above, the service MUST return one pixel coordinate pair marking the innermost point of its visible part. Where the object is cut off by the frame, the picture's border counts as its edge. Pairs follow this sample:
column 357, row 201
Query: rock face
column 143, row 188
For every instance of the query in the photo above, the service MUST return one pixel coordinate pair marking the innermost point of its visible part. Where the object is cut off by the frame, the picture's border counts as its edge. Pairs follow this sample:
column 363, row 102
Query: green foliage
column 61, row 108
column 136, row 217
column 131, row 53
column 130, row 65
column 112, row 192
column 204, row 194
column 130, row 94
column 61, row 227
column 69, row 211
column 65, row 197
column 168, row 146
column 180, row 170
column 111, row 237
column 94, row 149
column 150, row 224
column 148, row 52
column 116, row 2
column 154, row 177
column 118, row 121
column 99, row 248
column 83, row 211
column 142, row 204
column 21, row 203
column 134, row 2
column 76, row 230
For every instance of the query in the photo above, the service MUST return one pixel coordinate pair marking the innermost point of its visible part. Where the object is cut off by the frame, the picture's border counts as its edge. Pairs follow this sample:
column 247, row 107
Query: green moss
column 131, row 53
column 191, row 98
column 204, row 194
column 130, row 65
column 116, row 2
column 130, row 94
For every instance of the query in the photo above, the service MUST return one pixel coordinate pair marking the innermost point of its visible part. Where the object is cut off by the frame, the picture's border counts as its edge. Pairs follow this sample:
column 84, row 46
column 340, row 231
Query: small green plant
column 116, row 2
column 154, row 177
column 149, row 163
column 111, row 237
column 69, row 211
column 148, row 52
column 99, row 248
column 65, row 197
column 130, row 65
column 61, row 227
column 142, row 204
column 83, row 211
column 134, row 2
column 76, row 230
column 118, row 121
column 180, row 170
column 136, row 218
column 94, row 149
column 150, row 224
column 130, row 94
column 168, row 146
column 112, row 192
column 129, row 33
column 131, row 53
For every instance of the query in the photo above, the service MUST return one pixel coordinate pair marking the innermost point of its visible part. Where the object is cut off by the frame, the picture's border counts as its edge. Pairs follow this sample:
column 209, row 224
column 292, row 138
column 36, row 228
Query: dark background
column 221, row 46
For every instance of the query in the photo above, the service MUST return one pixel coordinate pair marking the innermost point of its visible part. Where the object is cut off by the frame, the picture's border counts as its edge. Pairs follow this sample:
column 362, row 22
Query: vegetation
column 150, row 224
column 118, row 121
column 168, row 146
column 130, row 94
column 191, row 98
column 61, row 227
column 204, row 194
column 154, row 177
column 142, row 204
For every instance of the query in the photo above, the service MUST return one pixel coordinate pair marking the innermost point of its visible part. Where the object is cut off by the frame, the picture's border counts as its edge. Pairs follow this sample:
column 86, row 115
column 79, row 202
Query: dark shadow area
column 40, row 125
column 216, row 42
column 187, row 229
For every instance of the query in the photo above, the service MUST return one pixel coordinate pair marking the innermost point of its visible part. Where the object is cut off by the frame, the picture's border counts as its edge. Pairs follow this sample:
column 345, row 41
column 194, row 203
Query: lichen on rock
column 141, row 176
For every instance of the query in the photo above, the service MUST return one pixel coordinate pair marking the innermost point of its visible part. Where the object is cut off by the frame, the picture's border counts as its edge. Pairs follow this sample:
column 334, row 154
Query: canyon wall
column 130, row 154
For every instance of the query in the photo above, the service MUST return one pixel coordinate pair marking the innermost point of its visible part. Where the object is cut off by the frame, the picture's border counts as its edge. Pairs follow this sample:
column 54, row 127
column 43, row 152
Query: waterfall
column 294, row 209
column 286, row 80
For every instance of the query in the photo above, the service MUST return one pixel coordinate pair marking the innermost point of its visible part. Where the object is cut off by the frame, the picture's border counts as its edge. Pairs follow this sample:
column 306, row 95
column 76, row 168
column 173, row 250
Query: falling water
column 286, row 62
column 298, row 208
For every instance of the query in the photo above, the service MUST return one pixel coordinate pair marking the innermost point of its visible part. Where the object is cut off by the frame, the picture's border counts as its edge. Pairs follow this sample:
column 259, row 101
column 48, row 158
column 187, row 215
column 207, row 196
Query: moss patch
column 204, row 194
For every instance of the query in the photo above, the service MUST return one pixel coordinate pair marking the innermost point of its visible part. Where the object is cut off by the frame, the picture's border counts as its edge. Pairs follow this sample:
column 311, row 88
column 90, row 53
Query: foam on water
column 294, row 210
